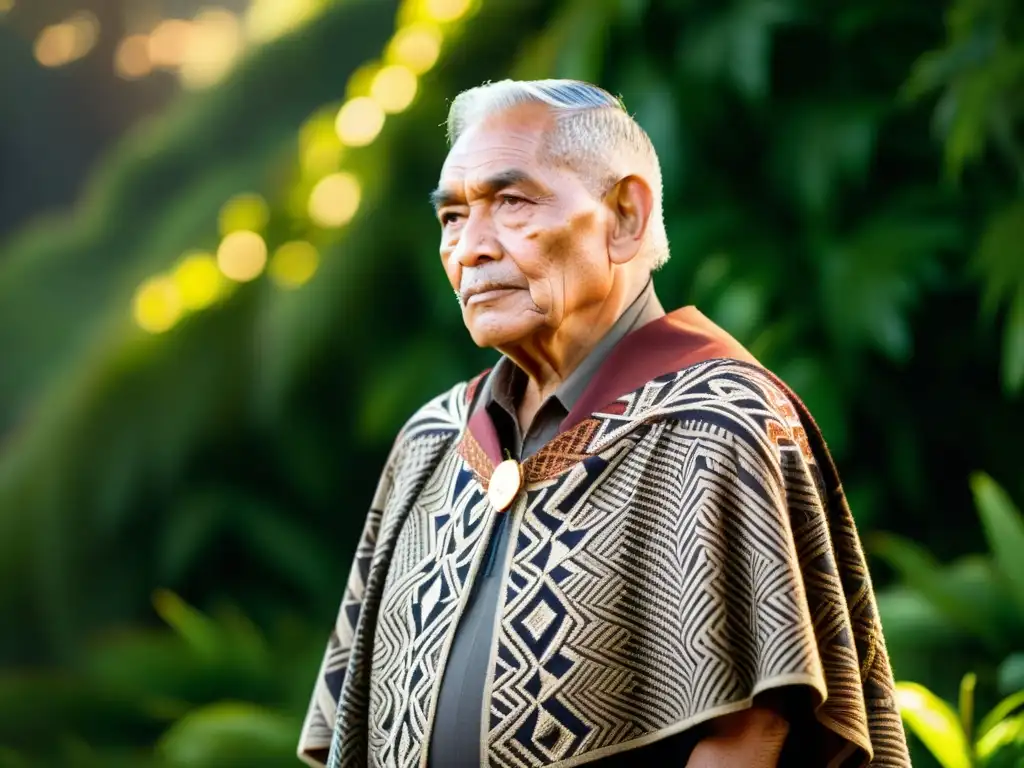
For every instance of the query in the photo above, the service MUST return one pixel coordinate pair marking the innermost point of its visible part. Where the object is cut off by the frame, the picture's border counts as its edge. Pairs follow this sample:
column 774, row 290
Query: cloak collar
column 667, row 345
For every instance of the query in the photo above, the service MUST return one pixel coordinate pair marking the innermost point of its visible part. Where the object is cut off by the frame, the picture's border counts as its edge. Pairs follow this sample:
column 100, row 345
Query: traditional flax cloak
column 683, row 545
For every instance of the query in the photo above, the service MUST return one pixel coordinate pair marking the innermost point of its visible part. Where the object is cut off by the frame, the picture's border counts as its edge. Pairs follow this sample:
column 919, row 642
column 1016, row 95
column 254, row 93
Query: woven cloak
column 683, row 545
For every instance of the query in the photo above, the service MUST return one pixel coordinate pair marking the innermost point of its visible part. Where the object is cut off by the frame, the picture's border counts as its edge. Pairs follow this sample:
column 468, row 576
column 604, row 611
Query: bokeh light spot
column 320, row 148
column 266, row 20
column 157, row 305
column 249, row 211
column 447, row 10
column 169, row 42
column 214, row 44
column 131, row 60
column 416, row 46
column 359, row 121
column 394, row 88
column 335, row 200
column 242, row 256
column 68, row 41
column 294, row 264
column 198, row 280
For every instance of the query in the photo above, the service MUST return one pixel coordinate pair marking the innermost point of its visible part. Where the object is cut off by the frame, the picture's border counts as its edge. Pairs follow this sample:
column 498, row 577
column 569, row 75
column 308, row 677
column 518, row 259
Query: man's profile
column 624, row 543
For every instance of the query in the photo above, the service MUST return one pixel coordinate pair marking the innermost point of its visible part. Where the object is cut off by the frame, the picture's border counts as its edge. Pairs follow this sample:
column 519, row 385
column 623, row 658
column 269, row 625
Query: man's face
column 523, row 243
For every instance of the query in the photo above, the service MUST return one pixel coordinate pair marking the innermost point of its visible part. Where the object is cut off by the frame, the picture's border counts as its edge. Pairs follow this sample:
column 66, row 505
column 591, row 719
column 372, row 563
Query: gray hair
column 594, row 135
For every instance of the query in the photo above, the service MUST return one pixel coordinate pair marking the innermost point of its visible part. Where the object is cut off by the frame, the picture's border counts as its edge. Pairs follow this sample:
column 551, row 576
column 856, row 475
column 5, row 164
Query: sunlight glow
column 359, row 121
column 242, row 256
column 157, row 306
column 247, row 211
column 335, row 200
column 447, row 10
column 131, row 60
column 394, row 88
column 63, row 43
column 198, row 280
column 416, row 46
column 267, row 20
column 168, row 43
column 294, row 264
column 213, row 46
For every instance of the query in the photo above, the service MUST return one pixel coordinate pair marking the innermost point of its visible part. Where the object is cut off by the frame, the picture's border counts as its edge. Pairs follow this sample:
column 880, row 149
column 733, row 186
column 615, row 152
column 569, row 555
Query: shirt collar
column 660, row 347
column 508, row 380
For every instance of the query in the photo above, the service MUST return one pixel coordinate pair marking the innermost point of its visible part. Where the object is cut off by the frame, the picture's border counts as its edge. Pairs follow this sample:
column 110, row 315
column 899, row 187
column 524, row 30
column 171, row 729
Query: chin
column 499, row 329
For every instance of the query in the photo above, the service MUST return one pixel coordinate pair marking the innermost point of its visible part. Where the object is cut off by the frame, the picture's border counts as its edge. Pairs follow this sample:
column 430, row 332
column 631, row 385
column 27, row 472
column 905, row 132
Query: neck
column 550, row 356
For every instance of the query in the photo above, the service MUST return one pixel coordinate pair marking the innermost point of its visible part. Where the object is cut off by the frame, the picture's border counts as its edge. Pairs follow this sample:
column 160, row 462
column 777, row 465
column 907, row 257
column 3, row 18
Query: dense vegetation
column 845, row 193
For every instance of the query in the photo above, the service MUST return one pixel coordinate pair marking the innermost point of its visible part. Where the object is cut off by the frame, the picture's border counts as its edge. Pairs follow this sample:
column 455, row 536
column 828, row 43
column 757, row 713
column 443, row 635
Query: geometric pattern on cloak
column 676, row 552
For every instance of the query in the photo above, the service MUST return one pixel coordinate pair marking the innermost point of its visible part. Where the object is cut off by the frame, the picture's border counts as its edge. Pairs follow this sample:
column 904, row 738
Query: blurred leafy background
column 219, row 298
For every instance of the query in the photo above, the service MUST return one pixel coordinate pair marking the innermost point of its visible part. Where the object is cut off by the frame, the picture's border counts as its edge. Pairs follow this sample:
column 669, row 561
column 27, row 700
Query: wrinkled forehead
column 510, row 139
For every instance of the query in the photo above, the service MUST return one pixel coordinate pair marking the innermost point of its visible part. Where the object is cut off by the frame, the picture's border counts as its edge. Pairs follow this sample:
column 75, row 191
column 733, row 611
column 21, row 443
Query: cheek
column 449, row 264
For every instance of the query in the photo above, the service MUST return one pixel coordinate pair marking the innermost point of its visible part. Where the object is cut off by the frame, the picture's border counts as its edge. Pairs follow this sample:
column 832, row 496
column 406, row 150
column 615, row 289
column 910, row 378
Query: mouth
column 485, row 293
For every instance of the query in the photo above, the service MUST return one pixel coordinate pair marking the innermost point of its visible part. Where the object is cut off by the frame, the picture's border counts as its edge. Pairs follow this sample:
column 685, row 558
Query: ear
column 630, row 202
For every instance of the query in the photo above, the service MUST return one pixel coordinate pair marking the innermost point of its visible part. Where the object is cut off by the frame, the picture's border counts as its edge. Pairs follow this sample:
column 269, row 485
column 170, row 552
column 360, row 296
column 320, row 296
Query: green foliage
column 229, row 461
column 952, row 739
column 946, row 615
column 214, row 690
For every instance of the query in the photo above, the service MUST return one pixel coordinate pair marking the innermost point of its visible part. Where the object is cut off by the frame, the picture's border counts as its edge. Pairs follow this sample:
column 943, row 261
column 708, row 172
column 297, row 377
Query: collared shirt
column 455, row 740
column 508, row 381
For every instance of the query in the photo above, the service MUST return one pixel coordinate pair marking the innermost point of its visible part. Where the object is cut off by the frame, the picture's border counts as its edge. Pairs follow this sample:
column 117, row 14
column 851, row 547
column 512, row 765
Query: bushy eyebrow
column 441, row 197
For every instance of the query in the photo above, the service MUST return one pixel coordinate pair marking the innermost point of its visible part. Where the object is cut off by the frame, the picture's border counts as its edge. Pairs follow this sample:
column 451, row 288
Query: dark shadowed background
column 220, row 297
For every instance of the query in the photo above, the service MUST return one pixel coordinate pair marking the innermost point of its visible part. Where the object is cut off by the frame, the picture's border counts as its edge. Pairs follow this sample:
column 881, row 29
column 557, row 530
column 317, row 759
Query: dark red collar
column 671, row 343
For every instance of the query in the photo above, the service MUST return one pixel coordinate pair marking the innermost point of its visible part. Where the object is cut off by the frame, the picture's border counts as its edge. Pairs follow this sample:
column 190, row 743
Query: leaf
column 1002, row 734
column 966, row 704
column 876, row 274
column 234, row 733
column 820, row 147
column 197, row 630
column 1004, row 529
column 1013, row 346
column 933, row 722
column 735, row 45
column 1000, row 712
column 919, row 570
column 997, row 257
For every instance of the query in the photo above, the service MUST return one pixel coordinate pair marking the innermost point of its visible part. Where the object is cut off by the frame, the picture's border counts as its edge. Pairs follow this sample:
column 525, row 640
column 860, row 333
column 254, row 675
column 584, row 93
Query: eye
column 511, row 201
column 450, row 217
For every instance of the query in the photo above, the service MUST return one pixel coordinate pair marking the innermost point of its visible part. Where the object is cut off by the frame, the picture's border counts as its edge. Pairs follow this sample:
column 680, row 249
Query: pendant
column 504, row 485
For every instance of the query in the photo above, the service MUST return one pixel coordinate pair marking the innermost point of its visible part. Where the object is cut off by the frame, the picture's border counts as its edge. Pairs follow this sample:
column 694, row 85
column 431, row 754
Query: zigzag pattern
column 692, row 554
column 337, row 719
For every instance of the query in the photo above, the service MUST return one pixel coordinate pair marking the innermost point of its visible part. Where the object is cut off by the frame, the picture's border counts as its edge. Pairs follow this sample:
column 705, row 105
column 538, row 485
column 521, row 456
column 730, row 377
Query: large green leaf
column 1008, row 732
column 1004, row 528
column 230, row 734
column 935, row 723
column 974, row 605
column 999, row 713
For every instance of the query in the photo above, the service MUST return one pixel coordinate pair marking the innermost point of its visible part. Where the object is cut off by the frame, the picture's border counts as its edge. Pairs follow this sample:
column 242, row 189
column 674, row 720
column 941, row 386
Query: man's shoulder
column 443, row 414
column 744, row 383
column 741, row 397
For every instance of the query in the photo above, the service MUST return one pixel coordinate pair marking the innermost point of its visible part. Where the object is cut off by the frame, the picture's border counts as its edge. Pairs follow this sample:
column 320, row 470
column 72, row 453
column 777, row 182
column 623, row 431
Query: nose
column 478, row 241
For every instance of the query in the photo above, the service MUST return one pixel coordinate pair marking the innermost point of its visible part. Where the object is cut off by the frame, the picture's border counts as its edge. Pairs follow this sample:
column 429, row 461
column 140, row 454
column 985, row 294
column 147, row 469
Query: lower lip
column 480, row 298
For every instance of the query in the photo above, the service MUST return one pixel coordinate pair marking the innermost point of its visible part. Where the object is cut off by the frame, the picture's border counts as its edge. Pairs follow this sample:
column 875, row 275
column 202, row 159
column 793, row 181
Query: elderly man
column 627, row 541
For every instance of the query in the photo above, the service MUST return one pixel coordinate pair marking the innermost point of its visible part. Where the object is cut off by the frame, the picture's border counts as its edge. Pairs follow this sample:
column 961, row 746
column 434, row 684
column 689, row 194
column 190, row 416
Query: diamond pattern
column 672, row 556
